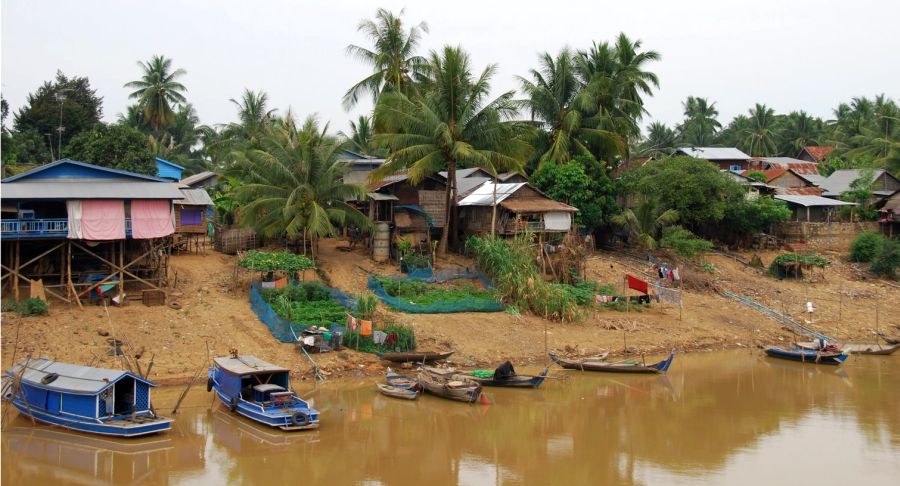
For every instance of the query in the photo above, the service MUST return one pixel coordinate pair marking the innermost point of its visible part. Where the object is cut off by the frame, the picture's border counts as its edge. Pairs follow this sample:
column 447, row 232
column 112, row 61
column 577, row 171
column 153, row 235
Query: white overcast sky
column 788, row 54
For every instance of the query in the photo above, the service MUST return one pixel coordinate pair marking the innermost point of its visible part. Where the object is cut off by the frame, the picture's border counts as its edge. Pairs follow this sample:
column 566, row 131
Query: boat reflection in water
column 715, row 418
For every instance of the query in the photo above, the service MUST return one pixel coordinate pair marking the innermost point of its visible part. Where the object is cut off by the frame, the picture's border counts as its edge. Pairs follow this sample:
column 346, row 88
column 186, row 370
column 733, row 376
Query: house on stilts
column 85, row 231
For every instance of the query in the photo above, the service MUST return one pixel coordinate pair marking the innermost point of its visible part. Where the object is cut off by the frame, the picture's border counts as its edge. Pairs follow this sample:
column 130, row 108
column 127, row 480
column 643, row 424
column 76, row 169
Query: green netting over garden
column 322, row 306
column 416, row 296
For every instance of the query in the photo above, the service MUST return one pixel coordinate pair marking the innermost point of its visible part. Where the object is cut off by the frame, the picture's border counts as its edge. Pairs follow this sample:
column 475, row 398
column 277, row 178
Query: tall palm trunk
column 450, row 200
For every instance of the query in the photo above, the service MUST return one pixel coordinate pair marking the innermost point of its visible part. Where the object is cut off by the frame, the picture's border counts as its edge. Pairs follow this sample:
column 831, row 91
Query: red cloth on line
column 151, row 218
column 103, row 219
column 637, row 284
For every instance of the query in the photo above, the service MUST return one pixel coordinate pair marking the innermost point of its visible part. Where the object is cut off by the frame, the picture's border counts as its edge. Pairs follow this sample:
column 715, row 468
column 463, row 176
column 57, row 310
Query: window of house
column 191, row 216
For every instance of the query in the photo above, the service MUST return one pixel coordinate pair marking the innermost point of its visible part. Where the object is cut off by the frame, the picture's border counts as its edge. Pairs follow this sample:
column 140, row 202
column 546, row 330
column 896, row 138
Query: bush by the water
column 308, row 303
column 420, row 293
column 886, row 262
column 510, row 263
column 865, row 246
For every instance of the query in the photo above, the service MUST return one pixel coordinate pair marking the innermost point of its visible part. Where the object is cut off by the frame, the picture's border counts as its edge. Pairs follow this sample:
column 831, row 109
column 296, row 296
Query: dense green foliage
column 865, row 246
column 263, row 261
column 582, row 183
column 27, row 308
column 755, row 215
column 886, row 262
column 116, row 146
column 81, row 110
column 157, row 91
column 645, row 223
column 308, row 304
column 420, row 293
column 792, row 264
column 683, row 242
column 406, row 339
column 517, row 280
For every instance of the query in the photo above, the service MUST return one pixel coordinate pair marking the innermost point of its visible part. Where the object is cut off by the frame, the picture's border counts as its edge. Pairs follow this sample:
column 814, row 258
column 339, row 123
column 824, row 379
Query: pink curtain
column 103, row 219
column 151, row 218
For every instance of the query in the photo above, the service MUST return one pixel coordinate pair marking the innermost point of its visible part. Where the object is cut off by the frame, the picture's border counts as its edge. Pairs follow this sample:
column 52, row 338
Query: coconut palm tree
column 451, row 125
column 645, row 224
column 660, row 140
column 293, row 184
column 700, row 123
column 799, row 130
column 392, row 57
column 762, row 133
column 157, row 90
column 360, row 138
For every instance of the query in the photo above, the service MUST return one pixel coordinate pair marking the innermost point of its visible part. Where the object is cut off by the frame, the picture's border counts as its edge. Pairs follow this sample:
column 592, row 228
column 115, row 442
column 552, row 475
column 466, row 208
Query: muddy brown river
column 717, row 418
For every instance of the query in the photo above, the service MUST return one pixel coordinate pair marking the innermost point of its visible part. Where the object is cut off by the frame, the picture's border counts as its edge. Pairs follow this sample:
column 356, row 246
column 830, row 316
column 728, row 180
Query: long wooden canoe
column 618, row 367
column 517, row 381
column 415, row 356
column 806, row 355
column 397, row 392
column 874, row 349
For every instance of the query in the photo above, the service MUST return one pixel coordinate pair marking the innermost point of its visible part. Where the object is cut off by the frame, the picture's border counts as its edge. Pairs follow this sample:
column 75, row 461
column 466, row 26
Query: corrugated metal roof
column 799, row 191
column 839, row 181
column 388, row 180
column 377, row 196
column 808, row 201
column 81, row 189
column 818, row 152
column 466, row 185
column 71, row 378
column 246, row 365
column 462, row 173
column 483, row 195
column 195, row 197
column 42, row 168
column 714, row 153
column 191, row 180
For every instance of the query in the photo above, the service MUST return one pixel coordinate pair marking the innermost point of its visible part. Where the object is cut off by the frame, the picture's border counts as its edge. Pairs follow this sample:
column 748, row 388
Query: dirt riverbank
column 214, row 314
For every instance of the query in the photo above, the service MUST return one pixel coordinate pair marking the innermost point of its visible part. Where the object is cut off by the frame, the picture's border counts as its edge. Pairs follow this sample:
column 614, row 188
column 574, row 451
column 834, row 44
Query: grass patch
column 421, row 293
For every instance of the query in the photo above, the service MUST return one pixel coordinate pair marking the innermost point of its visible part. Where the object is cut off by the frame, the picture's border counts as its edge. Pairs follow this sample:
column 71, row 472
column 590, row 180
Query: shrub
column 366, row 304
column 887, row 261
column 683, row 242
column 32, row 307
column 865, row 246
column 9, row 305
column 406, row 340
column 416, row 260
column 792, row 264
column 264, row 261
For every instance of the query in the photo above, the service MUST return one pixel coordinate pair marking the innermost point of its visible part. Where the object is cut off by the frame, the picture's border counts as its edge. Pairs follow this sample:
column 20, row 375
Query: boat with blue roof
column 95, row 400
column 261, row 392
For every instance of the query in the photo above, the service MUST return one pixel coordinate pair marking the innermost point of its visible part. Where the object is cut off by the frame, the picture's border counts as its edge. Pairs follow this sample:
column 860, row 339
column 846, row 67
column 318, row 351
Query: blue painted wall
column 71, row 171
column 168, row 170
column 84, row 405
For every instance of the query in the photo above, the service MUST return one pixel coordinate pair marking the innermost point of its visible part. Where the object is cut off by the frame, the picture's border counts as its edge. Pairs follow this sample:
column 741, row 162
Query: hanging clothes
column 352, row 322
column 73, row 209
column 668, row 296
column 379, row 337
column 636, row 284
column 675, row 274
column 151, row 218
column 391, row 339
column 365, row 328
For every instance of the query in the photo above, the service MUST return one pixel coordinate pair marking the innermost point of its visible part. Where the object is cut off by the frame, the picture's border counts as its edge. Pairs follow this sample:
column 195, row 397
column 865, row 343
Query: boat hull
column 160, row 424
column 655, row 368
column 413, row 357
column 396, row 392
column 440, row 385
column 281, row 420
column 870, row 349
column 806, row 356
column 518, row 381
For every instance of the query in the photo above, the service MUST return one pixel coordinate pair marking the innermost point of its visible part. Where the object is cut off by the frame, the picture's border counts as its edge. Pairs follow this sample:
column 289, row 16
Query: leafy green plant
column 792, row 264
column 264, row 261
column 709, row 267
column 366, row 305
column 310, row 303
column 32, row 307
column 406, row 339
column 887, row 261
column 420, row 293
column 416, row 260
column 683, row 242
column 9, row 305
column 865, row 246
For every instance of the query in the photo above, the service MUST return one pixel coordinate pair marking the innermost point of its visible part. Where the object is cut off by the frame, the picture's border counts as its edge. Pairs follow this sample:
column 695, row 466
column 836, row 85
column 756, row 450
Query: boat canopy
column 247, row 365
column 69, row 378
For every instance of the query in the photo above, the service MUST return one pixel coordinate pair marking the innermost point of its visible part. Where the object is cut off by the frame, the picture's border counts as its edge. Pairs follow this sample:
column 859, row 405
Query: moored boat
column 505, row 376
column 889, row 339
column 806, row 355
column 852, row 348
column 415, row 356
column 260, row 391
column 444, row 384
column 397, row 392
column 402, row 381
column 96, row 400
column 627, row 366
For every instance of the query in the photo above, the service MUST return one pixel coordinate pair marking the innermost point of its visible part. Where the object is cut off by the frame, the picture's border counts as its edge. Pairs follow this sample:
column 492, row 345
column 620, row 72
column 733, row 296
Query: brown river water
column 717, row 418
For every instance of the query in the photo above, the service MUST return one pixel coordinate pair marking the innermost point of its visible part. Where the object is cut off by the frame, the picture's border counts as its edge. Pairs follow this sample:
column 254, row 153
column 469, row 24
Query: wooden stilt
column 17, row 270
column 121, row 272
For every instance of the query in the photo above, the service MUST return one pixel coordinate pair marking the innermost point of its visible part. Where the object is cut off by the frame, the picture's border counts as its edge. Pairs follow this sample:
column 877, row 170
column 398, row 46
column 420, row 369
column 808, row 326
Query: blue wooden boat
column 260, row 391
column 95, row 400
column 806, row 355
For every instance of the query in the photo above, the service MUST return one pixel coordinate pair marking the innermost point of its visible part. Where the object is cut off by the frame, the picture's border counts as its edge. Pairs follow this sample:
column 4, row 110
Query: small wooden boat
column 616, row 367
column 505, row 375
column 414, row 356
column 260, row 391
column 444, row 384
column 397, row 392
column 873, row 349
column 96, row 400
column 888, row 339
column 806, row 355
column 402, row 381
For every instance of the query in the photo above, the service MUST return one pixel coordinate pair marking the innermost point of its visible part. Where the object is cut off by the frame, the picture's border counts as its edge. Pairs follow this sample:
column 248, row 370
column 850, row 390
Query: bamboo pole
column 16, row 273
column 121, row 272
